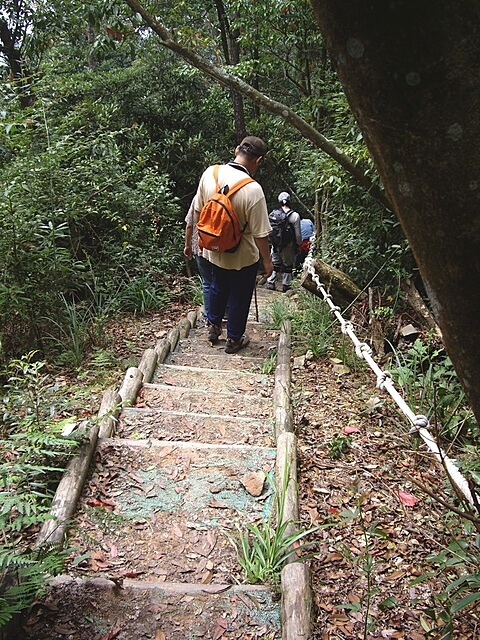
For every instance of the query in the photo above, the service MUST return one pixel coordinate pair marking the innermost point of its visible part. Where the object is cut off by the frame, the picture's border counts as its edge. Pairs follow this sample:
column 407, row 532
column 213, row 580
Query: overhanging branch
column 272, row 106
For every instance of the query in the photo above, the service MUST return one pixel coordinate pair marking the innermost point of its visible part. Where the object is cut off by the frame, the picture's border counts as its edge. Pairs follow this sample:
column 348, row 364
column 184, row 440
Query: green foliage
column 366, row 562
column 426, row 375
column 268, row 365
column 25, row 577
column 278, row 311
column 338, row 446
column 312, row 326
column 33, row 455
column 458, row 564
column 264, row 548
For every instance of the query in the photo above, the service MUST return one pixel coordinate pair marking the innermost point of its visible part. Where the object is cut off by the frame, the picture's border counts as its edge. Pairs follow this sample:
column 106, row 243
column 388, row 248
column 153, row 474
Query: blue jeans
column 234, row 289
column 205, row 270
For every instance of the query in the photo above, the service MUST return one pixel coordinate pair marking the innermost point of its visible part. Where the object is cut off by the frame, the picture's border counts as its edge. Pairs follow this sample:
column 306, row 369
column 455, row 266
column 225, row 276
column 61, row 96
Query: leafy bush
column 426, row 375
column 33, row 454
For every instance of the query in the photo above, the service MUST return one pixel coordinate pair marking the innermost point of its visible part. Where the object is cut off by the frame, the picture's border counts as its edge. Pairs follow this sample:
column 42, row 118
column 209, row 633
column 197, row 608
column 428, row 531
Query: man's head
column 250, row 152
column 284, row 198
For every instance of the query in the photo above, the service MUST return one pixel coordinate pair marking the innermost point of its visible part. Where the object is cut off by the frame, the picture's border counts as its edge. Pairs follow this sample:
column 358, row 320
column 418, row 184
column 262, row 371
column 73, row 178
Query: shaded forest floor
column 372, row 569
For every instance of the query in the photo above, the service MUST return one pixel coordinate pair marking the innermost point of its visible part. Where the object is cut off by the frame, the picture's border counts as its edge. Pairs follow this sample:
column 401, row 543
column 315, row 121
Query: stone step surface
column 158, row 611
column 201, row 427
column 170, row 509
column 205, row 401
column 155, row 532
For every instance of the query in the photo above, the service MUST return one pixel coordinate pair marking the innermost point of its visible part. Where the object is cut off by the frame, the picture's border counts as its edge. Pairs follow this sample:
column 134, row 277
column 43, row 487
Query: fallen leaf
column 131, row 574
column 407, row 499
column 104, row 504
column 348, row 430
column 206, row 577
column 217, row 589
column 220, row 628
column 165, row 451
column 159, row 635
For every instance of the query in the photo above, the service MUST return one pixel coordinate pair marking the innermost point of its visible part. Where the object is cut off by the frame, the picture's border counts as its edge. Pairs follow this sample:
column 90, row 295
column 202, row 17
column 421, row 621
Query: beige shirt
column 251, row 209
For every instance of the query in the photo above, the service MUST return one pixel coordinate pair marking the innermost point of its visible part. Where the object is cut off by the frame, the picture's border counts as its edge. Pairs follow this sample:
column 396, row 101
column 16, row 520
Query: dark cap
column 253, row 146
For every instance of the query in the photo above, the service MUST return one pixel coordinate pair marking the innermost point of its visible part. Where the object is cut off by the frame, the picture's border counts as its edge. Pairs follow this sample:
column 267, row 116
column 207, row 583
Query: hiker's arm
column 190, row 221
column 264, row 249
column 187, row 250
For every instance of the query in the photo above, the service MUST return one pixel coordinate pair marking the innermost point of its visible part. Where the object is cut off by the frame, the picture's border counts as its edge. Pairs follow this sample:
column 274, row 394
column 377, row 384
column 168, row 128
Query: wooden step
column 201, row 427
column 155, row 610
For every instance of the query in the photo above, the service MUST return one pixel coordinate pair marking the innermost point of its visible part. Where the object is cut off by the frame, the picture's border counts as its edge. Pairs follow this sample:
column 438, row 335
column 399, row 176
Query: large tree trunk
column 411, row 73
column 10, row 49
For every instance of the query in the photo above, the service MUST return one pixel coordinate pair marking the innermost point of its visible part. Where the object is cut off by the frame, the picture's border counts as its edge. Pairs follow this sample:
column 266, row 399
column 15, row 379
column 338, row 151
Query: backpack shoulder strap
column 215, row 176
column 239, row 185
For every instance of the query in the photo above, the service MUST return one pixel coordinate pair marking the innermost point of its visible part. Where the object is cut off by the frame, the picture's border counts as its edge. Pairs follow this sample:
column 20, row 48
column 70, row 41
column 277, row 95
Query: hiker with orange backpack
column 235, row 260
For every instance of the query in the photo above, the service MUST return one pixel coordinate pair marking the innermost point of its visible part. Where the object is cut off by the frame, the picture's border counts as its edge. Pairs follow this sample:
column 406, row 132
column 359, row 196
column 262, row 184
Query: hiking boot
column 271, row 286
column 214, row 333
column 286, row 288
column 235, row 345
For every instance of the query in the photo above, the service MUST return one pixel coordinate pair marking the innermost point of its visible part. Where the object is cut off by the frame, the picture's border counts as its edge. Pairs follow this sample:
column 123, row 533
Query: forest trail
column 191, row 462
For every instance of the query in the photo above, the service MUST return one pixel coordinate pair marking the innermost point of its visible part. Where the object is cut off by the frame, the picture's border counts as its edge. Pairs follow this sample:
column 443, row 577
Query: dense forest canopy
column 104, row 134
column 114, row 116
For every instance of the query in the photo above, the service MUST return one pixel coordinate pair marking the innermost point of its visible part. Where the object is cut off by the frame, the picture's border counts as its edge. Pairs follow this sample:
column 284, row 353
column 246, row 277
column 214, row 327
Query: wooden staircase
column 177, row 465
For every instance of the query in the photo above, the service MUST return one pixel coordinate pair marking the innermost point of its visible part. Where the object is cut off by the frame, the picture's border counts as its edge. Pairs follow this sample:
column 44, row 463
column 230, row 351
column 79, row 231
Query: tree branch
column 263, row 101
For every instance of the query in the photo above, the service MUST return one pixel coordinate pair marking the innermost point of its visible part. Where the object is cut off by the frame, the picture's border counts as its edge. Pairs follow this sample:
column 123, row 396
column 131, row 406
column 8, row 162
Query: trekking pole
column 256, row 302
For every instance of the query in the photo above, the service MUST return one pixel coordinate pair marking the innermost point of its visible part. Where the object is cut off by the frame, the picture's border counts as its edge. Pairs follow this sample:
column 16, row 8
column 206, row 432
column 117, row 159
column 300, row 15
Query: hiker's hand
column 187, row 251
column 268, row 266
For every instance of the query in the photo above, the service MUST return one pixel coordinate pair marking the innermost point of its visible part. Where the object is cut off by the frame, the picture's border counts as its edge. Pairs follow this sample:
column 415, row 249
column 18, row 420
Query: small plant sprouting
column 338, row 446
column 264, row 548
column 268, row 365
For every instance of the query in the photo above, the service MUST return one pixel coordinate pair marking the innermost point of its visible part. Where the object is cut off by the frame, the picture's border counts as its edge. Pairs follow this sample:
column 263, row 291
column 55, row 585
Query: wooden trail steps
column 176, row 464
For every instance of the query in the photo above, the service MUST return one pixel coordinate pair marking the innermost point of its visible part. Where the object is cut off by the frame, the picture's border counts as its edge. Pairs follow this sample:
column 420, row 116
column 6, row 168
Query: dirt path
column 373, row 574
column 150, row 544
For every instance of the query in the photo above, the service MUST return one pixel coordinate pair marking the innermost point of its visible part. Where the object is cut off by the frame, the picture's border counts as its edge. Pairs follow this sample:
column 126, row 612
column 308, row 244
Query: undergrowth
column 34, row 453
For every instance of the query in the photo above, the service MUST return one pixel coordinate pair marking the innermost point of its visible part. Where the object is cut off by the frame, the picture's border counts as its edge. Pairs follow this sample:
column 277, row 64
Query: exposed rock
column 254, row 482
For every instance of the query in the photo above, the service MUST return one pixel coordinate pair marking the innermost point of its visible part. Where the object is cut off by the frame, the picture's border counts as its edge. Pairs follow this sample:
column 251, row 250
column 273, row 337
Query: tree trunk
column 231, row 52
column 342, row 289
column 10, row 49
column 411, row 73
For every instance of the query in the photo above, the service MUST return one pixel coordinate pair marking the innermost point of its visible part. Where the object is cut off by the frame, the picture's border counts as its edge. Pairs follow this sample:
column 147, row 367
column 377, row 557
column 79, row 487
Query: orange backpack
column 218, row 226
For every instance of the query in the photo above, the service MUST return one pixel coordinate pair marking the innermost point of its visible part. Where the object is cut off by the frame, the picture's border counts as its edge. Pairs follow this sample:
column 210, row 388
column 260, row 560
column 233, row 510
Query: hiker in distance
column 192, row 249
column 307, row 229
column 285, row 239
column 234, row 271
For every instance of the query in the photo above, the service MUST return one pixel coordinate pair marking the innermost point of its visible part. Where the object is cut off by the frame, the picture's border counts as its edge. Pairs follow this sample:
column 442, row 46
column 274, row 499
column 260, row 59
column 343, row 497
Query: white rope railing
column 420, row 423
